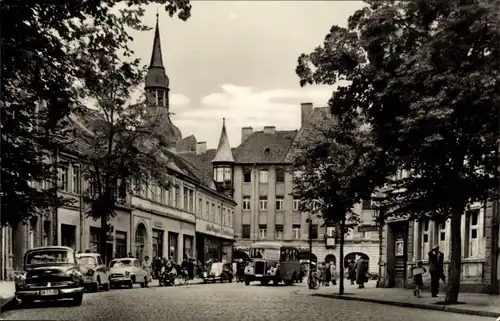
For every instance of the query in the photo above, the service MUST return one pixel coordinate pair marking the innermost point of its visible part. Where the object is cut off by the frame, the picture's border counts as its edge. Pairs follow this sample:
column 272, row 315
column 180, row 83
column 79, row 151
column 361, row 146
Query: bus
column 272, row 262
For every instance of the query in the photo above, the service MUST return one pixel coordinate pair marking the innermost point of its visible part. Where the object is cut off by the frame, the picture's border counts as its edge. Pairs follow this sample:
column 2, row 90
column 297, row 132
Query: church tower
column 223, row 164
column 157, row 93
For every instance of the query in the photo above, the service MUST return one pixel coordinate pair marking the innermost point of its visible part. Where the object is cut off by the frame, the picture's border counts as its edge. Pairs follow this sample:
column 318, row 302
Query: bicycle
column 182, row 278
column 313, row 281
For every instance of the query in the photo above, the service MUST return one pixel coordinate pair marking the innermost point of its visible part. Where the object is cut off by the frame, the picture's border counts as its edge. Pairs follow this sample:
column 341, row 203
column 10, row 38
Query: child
column 417, row 278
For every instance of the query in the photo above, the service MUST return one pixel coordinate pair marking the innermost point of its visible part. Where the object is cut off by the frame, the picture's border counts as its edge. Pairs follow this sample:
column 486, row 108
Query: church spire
column 156, row 58
column 224, row 153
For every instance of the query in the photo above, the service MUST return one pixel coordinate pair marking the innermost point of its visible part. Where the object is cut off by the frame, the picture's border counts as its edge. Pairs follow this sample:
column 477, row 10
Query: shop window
column 95, row 236
column 245, row 231
column 121, row 244
column 68, row 235
column 280, row 175
column 157, row 243
column 188, row 247
column 173, row 238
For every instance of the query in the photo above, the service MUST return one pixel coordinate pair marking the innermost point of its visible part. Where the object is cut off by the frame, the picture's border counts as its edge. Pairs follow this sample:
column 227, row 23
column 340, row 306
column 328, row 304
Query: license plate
column 49, row 292
column 258, row 275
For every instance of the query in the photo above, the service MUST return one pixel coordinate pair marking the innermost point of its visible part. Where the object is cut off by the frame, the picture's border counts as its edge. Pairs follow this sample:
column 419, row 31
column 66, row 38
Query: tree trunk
column 103, row 239
column 456, row 254
column 341, row 270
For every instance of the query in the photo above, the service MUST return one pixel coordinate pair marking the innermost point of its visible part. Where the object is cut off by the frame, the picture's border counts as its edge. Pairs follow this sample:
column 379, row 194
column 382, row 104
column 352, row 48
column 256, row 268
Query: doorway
column 158, row 243
column 397, row 254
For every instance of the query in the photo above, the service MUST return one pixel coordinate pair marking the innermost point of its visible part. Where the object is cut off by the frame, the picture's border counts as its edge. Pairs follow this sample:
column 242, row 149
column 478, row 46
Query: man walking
column 436, row 263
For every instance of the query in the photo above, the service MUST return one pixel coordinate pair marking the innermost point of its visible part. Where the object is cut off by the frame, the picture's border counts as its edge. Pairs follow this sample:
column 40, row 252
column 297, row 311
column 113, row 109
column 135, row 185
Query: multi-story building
column 191, row 219
column 258, row 174
column 405, row 242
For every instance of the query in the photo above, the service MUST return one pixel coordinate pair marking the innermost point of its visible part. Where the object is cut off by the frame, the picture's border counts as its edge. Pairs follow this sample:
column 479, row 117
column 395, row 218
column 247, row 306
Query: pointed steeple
column 156, row 77
column 224, row 153
column 156, row 58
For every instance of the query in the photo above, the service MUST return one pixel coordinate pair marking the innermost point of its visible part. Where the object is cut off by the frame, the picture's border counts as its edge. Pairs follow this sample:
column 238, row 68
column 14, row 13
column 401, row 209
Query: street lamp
column 309, row 220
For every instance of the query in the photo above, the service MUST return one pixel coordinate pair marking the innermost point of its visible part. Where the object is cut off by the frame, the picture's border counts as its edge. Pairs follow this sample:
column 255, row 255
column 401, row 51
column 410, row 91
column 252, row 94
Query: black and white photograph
column 233, row 160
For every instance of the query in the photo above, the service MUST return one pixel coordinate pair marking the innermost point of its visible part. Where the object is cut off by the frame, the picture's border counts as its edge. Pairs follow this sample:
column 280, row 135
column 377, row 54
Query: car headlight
column 127, row 273
column 20, row 279
column 75, row 275
column 90, row 272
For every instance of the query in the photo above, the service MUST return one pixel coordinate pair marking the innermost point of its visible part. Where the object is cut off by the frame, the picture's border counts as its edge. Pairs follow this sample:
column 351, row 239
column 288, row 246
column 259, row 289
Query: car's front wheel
column 77, row 300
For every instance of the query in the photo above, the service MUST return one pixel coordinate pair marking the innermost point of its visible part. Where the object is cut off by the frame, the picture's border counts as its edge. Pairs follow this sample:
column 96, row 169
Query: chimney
column 245, row 133
column 270, row 130
column 201, row 148
column 305, row 110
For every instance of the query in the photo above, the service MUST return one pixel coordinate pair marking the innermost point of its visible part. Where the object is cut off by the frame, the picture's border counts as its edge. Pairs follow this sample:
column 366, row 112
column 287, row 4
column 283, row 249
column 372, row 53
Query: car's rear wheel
column 106, row 287
column 77, row 300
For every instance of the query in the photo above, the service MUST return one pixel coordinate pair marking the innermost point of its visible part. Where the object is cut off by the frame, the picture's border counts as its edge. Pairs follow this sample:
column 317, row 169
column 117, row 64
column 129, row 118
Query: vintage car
column 50, row 273
column 95, row 272
column 219, row 272
column 126, row 271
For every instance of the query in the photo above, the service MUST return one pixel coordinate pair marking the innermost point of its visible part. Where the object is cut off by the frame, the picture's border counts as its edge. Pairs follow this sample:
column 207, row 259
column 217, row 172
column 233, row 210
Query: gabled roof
column 223, row 154
column 320, row 117
column 264, row 148
column 202, row 164
column 187, row 144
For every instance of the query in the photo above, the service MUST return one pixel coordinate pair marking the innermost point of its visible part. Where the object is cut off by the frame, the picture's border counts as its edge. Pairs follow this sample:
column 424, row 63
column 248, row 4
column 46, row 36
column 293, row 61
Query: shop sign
column 330, row 241
column 367, row 228
column 157, row 224
column 212, row 228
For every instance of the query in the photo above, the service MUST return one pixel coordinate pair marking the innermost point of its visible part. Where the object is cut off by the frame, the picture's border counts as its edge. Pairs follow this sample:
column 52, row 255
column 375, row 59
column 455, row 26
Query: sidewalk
column 472, row 303
column 7, row 290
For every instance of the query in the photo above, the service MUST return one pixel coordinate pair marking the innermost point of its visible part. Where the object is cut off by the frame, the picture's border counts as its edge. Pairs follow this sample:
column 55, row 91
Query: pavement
column 471, row 303
column 225, row 302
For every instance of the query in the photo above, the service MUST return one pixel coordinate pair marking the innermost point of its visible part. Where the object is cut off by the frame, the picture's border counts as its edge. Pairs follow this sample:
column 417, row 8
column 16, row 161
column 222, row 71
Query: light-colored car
column 95, row 272
column 126, row 271
column 220, row 271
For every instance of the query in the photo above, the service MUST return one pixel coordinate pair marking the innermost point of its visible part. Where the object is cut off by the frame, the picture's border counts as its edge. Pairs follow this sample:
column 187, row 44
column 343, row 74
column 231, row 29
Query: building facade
column 192, row 219
column 257, row 173
column 404, row 243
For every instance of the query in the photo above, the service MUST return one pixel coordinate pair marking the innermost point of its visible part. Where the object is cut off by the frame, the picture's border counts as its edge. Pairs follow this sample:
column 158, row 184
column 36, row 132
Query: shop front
column 213, row 241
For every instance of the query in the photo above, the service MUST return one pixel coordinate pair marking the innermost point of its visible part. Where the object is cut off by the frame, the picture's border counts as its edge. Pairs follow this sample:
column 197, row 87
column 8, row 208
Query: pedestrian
column 361, row 270
column 158, row 266
column 351, row 270
column 328, row 274
column 146, row 266
column 418, row 271
column 333, row 273
column 436, row 263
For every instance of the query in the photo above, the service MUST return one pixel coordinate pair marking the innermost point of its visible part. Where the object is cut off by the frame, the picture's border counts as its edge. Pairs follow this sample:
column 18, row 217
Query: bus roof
column 269, row 245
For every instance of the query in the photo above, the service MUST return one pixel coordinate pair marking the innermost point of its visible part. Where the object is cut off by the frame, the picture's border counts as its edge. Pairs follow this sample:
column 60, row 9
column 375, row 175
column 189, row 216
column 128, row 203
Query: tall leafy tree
column 42, row 65
column 425, row 74
column 335, row 169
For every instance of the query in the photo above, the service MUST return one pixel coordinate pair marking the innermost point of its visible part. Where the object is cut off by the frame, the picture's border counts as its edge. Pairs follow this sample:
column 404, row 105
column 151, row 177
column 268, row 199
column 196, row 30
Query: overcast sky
column 237, row 59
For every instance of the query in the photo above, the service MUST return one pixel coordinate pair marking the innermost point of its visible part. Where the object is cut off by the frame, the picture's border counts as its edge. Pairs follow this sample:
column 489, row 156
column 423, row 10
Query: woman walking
column 146, row 266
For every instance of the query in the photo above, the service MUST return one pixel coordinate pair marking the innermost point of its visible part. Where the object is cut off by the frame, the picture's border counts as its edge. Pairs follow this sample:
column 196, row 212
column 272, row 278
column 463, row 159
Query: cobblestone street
column 223, row 302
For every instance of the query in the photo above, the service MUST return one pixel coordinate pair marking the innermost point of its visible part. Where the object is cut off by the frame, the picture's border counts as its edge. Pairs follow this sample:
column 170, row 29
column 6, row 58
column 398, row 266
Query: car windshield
column 266, row 254
column 121, row 263
column 49, row 256
column 87, row 260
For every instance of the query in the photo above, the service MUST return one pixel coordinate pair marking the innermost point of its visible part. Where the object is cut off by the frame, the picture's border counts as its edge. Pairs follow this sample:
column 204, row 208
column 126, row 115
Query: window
column 212, row 216
column 366, row 235
column 155, row 193
column 263, row 203
column 330, row 231
column 121, row 244
column 219, row 174
column 314, row 231
column 163, row 196
column 247, row 175
column 367, row 204
column 279, row 203
column 246, row 203
column 207, row 210
column 424, row 230
column 200, row 206
column 161, row 98
column 95, row 236
column 262, row 231
column 280, row 175
column 227, row 174
column 263, row 176
column 64, row 179
column 441, row 237
column 223, row 216
column 188, row 246
column 245, row 231
column 176, row 196
column 278, row 233
column 296, row 204
column 219, row 215
column 472, row 231
column 172, row 245
column 296, row 232
column 186, row 195
column 76, row 179
column 191, row 200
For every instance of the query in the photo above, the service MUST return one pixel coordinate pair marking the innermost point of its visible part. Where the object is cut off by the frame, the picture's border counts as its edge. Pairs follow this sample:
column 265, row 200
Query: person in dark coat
column 351, row 270
column 436, row 264
column 361, row 269
column 328, row 274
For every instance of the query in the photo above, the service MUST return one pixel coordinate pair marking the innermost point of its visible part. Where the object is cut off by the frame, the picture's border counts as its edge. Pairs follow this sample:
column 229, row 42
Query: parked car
column 95, row 272
column 50, row 273
column 219, row 272
column 126, row 271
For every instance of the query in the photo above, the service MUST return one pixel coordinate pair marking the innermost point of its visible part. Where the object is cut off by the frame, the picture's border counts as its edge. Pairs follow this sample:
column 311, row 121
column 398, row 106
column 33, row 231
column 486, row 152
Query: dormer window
column 223, row 174
column 160, row 98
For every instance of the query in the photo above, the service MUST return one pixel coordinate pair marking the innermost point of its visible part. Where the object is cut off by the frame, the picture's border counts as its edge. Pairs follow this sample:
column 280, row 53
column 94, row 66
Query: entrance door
column 157, row 243
column 400, row 252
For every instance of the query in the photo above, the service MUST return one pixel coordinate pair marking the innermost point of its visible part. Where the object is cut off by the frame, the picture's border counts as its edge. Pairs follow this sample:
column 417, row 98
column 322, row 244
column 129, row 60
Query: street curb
column 412, row 305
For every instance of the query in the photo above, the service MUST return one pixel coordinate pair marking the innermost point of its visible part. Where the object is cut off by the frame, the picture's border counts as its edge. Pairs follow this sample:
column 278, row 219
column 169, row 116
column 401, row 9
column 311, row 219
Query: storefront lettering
column 212, row 228
column 157, row 224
